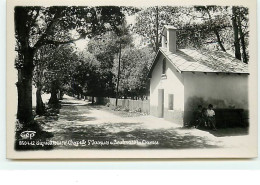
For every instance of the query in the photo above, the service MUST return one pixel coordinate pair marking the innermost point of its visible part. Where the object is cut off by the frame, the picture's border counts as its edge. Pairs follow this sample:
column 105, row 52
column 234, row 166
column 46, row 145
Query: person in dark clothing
column 197, row 116
column 202, row 119
column 198, row 112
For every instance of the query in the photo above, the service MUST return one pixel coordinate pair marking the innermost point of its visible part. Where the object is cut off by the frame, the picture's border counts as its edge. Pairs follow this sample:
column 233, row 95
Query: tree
column 202, row 27
column 105, row 48
column 134, row 70
column 40, row 63
column 235, row 27
column 60, row 67
column 215, row 24
column 150, row 21
column 195, row 25
column 240, row 27
column 86, row 76
column 53, row 69
column 39, row 26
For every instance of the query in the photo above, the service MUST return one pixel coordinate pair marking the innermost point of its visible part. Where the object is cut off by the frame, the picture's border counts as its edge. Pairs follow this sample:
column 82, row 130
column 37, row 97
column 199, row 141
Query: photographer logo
column 28, row 134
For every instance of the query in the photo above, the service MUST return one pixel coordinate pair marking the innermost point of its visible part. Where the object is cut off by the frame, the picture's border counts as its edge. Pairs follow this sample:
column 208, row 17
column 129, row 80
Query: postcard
column 127, row 80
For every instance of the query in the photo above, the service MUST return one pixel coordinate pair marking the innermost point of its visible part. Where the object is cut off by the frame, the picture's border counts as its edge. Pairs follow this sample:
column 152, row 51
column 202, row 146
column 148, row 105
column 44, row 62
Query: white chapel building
column 182, row 79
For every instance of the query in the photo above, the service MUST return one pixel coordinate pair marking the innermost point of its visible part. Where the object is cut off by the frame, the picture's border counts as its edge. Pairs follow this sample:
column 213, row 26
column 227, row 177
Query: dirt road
column 92, row 127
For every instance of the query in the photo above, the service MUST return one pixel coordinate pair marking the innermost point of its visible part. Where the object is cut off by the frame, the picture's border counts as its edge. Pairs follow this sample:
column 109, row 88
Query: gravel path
column 81, row 125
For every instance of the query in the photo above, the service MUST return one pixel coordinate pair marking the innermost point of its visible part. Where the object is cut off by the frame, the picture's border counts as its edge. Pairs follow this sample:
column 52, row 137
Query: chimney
column 169, row 38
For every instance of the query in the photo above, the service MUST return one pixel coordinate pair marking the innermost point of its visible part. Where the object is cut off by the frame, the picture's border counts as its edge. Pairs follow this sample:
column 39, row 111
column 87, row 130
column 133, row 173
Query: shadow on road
column 130, row 132
column 81, row 121
column 239, row 131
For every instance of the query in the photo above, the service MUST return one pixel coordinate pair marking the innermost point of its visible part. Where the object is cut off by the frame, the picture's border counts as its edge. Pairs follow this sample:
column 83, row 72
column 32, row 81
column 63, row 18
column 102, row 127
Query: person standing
column 211, row 117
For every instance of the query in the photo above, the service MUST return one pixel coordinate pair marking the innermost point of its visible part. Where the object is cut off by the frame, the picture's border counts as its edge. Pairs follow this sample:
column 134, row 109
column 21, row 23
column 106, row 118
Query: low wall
column 132, row 105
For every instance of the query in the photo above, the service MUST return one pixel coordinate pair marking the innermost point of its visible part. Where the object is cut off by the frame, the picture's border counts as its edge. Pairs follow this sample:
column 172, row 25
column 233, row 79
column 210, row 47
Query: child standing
column 211, row 117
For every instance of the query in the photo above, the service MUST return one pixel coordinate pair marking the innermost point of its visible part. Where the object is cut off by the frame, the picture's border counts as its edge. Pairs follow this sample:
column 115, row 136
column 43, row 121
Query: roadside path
column 78, row 120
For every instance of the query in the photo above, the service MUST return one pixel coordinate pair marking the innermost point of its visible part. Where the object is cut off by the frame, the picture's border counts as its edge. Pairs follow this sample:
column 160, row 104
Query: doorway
column 160, row 103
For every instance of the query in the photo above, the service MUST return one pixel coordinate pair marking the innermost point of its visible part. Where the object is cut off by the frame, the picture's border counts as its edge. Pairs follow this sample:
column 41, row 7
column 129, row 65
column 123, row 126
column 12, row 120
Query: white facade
column 172, row 83
column 176, row 92
column 190, row 89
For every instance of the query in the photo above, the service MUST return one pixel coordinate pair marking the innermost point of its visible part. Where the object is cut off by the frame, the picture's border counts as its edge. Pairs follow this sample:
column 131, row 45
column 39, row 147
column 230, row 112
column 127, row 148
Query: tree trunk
column 236, row 40
column 40, row 109
column 24, row 89
column 54, row 91
column 157, row 29
column 118, row 73
column 216, row 32
column 93, row 100
column 61, row 95
column 219, row 41
column 242, row 38
column 54, row 98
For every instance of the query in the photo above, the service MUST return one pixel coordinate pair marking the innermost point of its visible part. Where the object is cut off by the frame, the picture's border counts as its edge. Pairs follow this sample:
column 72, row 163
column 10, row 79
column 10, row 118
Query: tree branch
column 47, row 41
column 48, row 28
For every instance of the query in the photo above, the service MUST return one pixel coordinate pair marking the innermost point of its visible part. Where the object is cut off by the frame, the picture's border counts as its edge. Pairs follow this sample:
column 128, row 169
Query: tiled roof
column 204, row 61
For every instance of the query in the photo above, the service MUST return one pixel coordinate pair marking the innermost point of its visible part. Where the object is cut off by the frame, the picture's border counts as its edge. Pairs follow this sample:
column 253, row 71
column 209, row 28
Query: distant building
column 182, row 79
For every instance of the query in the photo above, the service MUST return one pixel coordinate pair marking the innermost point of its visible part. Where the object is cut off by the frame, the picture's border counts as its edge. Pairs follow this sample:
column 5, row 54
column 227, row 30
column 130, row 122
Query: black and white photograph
column 131, row 80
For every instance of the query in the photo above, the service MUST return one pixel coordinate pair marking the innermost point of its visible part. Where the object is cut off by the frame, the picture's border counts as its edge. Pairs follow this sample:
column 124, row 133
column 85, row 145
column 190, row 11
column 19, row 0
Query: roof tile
column 205, row 61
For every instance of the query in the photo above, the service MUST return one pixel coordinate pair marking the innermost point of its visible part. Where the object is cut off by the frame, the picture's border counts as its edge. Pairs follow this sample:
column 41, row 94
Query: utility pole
column 157, row 29
column 118, row 74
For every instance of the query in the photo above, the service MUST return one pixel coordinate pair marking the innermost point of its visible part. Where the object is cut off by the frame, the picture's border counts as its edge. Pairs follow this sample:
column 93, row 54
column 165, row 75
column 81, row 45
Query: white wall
column 173, row 84
column 222, row 90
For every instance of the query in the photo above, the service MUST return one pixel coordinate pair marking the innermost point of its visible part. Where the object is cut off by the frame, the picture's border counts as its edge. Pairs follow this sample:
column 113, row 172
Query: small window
column 164, row 66
column 170, row 101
